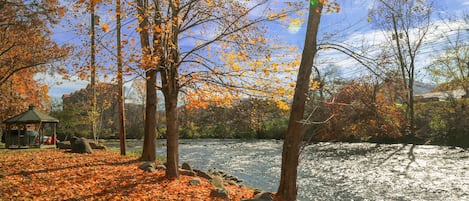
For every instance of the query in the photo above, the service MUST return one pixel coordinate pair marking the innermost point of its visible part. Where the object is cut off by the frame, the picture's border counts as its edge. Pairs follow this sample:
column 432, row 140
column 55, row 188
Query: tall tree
column 163, row 24
column 406, row 25
column 452, row 67
column 25, row 50
column 287, row 190
column 120, row 79
column 93, row 111
column 25, row 36
column 151, row 69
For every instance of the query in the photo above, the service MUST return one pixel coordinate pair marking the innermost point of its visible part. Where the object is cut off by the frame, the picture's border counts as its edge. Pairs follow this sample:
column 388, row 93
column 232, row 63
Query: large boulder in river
column 80, row 145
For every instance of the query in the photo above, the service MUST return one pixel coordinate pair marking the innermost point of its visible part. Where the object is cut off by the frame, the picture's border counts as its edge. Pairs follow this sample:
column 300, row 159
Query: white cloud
column 59, row 86
column 372, row 42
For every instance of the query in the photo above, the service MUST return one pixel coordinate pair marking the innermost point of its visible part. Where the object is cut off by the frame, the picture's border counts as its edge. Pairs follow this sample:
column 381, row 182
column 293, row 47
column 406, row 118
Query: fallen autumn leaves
column 103, row 175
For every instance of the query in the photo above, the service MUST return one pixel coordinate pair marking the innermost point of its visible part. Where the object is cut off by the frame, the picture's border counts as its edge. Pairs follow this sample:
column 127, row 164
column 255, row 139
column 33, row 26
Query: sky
column 349, row 26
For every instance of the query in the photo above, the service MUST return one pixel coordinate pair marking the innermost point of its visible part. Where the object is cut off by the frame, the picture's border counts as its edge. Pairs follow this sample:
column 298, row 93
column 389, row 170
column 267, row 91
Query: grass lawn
column 102, row 175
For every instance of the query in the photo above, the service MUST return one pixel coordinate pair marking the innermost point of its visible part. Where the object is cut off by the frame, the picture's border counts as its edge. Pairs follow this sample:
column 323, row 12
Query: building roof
column 31, row 116
column 443, row 95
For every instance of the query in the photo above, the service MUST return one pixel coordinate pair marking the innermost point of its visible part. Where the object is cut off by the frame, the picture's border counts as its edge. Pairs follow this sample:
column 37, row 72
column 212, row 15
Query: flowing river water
column 338, row 171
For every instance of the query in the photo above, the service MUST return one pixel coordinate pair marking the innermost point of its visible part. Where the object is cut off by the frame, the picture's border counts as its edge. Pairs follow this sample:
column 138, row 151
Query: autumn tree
column 226, row 25
column 25, row 36
column 405, row 25
column 244, row 118
column 452, row 67
column 26, row 48
column 287, row 190
column 366, row 112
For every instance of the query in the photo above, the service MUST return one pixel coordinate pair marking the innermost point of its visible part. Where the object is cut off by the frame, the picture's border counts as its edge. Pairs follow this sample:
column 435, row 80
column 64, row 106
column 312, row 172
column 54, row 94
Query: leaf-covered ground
column 102, row 175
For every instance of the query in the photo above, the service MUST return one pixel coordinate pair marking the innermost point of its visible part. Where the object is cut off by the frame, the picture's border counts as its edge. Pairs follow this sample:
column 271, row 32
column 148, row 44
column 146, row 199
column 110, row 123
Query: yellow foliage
column 235, row 67
column 282, row 105
column 314, row 85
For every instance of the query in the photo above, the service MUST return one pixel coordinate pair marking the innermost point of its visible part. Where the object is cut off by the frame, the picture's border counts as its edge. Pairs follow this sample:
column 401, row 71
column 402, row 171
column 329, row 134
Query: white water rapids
column 339, row 171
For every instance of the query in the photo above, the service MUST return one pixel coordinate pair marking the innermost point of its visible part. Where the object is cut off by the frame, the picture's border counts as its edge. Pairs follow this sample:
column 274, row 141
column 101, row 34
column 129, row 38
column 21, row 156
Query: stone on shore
column 217, row 181
column 195, row 181
column 80, row 145
column 186, row 166
column 186, row 172
column 220, row 193
column 161, row 167
column 63, row 145
column 147, row 166
column 203, row 174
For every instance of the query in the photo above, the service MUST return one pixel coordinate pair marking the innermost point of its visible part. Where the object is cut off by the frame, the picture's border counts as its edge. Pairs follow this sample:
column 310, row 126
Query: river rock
column 80, row 145
column 186, row 172
column 267, row 196
column 195, row 181
column 161, row 167
column 217, row 181
column 217, row 173
column 203, row 174
column 186, row 166
column 232, row 183
column 220, row 193
column 257, row 191
column 233, row 178
column 147, row 166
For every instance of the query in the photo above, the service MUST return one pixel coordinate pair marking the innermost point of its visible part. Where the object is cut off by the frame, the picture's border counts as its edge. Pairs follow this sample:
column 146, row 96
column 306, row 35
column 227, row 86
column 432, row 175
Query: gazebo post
column 41, row 134
column 24, row 130
column 55, row 135
column 7, row 136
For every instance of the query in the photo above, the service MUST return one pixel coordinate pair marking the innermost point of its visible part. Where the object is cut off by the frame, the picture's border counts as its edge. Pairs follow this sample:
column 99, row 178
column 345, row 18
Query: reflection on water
column 340, row 171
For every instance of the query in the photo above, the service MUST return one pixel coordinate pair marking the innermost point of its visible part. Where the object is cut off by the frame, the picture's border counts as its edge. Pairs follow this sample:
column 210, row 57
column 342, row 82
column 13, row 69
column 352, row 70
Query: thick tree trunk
column 149, row 148
column 170, row 91
column 287, row 190
column 170, row 77
column 172, row 154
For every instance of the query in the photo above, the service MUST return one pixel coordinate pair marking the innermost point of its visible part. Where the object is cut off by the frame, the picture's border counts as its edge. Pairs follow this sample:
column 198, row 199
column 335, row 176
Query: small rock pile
column 218, row 179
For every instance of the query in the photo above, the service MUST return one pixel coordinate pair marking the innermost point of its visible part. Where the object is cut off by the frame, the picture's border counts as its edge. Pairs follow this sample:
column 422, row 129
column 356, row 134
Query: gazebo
column 27, row 129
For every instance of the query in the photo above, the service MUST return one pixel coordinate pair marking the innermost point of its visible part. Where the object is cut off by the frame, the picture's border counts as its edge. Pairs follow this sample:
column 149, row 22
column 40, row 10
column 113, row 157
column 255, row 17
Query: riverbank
column 102, row 175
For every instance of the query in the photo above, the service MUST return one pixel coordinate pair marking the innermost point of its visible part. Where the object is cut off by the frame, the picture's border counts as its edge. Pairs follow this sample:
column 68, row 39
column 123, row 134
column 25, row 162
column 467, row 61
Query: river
column 338, row 171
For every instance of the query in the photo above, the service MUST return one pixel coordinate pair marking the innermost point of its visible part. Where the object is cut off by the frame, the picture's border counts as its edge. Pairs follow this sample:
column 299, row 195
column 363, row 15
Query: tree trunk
column 149, row 148
column 169, row 78
column 287, row 190
column 170, row 91
column 172, row 154
column 120, row 85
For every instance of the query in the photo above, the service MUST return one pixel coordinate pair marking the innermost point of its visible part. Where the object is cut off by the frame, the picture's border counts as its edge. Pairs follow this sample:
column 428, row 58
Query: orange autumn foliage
column 20, row 91
column 102, row 175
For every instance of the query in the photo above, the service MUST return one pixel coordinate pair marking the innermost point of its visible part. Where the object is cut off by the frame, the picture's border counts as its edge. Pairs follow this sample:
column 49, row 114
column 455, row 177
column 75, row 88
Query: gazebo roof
column 31, row 116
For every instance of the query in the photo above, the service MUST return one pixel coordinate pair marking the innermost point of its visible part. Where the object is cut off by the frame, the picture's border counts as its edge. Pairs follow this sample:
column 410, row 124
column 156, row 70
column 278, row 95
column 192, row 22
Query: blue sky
column 350, row 23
